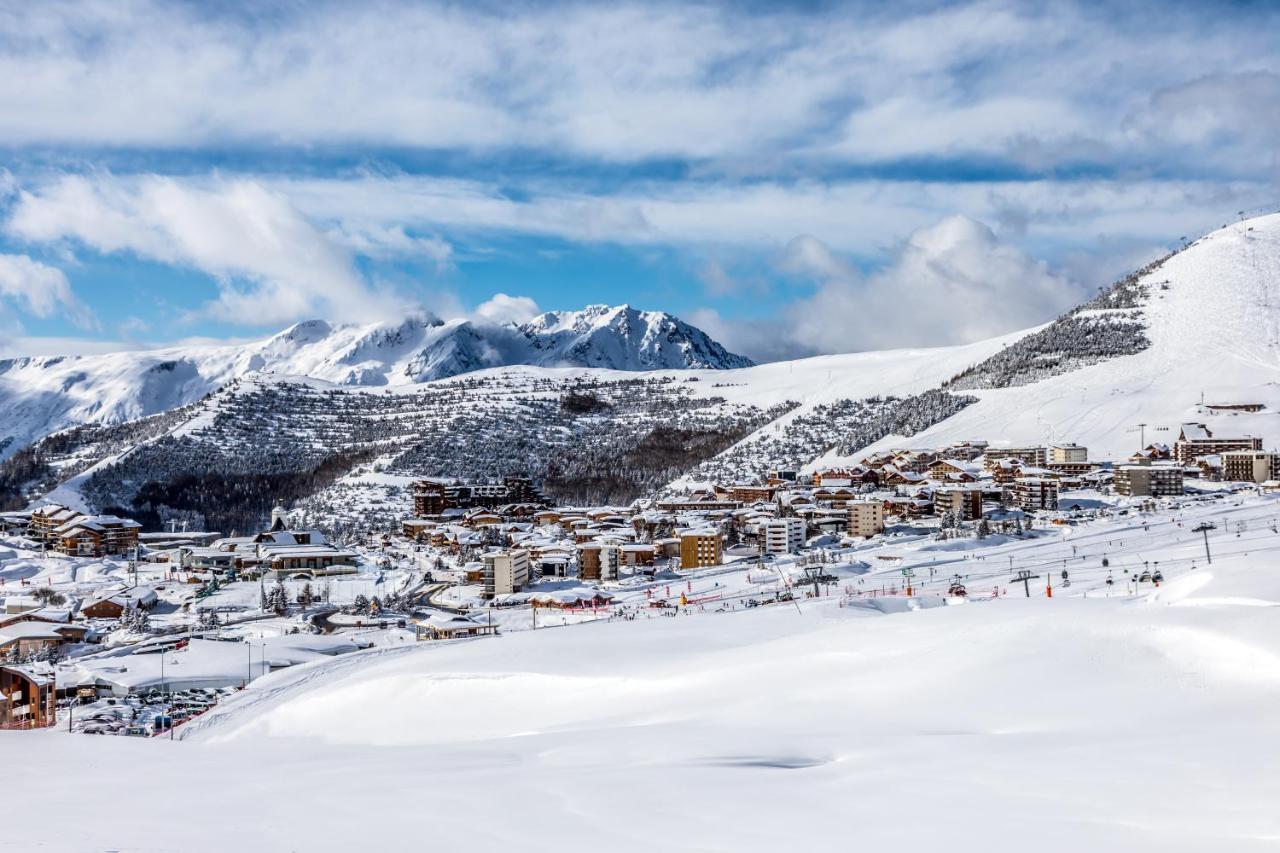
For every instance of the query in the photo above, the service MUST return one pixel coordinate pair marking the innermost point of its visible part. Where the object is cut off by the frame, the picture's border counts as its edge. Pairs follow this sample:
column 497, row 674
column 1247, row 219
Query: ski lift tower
column 1025, row 578
column 1204, row 528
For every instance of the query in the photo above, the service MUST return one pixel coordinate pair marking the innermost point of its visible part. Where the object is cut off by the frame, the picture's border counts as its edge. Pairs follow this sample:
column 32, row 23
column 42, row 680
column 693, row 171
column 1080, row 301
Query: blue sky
column 796, row 180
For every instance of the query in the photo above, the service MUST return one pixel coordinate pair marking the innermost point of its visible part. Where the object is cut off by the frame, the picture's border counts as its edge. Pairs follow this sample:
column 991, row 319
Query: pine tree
column 279, row 599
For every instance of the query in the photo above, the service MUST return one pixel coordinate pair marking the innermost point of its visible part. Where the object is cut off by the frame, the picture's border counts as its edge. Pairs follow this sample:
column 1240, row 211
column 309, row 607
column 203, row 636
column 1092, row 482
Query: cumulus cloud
column 952, row 282
column 271, row 263
column 501, row 308
column 808, row 256
column 41, row 290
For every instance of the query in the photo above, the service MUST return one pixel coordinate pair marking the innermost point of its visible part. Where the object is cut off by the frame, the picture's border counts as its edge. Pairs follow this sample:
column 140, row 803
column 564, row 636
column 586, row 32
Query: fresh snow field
column 1099, row 719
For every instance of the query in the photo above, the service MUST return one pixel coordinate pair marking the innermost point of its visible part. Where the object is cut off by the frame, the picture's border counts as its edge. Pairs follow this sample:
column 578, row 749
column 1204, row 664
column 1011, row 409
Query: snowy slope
column 42, row 395
column 1122, row 723
column 1213, row 318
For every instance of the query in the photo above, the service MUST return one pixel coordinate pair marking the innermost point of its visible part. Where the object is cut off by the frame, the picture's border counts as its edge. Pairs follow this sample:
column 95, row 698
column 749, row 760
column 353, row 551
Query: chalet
column 891, row 475
column 15, row 522
column 113, row 606
column 21, row 640
column 695, row 504
column 571, row 599
column 417, row 528
column 954, row 471
column 450, row 626
column 47, row 519
column 966, row 450
column 96, row 536
column 749, row 494
column 1198, row 440
column 28, row 698
column 834, row 496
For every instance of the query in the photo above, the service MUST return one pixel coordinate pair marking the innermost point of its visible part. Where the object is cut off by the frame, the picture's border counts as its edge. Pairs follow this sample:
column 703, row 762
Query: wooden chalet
column 28, row 698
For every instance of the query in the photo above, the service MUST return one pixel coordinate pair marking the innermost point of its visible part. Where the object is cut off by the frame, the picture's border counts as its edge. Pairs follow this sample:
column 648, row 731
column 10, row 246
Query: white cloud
column 272, row 264
column 806, row 255
column 619, row 82
column 41, row 290
column 391, row 241
column 501, row 308
column 950, row 283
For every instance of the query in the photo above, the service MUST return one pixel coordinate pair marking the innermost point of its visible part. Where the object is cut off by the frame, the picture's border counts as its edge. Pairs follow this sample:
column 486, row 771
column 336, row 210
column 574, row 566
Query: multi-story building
column 46, row 520
column 1035, row 493
column 1148, row 480
column 96, row 536
column 1197, row 440
column 866, row 518
column 748, row 494
column 1250, row 466
column 1060, row 454
column 965, row 503
column 589, row 561
column 432, row 497
column 782, row 535
column 428, row 498
column 700, row 548
column 505, row 572
column 1036, row 456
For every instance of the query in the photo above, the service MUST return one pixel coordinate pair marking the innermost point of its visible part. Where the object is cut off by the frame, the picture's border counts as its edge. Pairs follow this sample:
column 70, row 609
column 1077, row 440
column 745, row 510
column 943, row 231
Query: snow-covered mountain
column 42, row 395
column 1196, row 330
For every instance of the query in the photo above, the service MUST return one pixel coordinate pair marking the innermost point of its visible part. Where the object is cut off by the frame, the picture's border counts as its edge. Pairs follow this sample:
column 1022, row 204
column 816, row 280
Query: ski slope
column 1098, row 719
column 1213, row 318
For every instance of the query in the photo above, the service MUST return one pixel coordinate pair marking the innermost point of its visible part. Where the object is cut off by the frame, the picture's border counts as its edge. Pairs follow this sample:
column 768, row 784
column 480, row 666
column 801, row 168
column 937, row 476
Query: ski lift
column 1110, row 580
column 1105, row 562
column 1156, row 576
column 957, row 588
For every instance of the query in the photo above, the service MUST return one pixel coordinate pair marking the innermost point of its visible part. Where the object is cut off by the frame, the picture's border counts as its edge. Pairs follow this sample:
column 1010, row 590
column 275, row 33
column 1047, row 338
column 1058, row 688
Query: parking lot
column 141, row 714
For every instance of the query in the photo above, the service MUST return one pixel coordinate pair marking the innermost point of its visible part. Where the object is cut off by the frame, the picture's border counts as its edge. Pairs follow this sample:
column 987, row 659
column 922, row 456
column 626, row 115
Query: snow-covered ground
column 1106, row 717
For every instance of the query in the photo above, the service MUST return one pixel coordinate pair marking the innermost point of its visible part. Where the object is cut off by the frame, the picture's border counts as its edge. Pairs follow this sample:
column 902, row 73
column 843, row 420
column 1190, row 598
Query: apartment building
column 866, row 518
column 1035, row 493
column 505, row 572
column 1062, row 454
column 1148, row 480
column 700, row 548
column 782, row 535
column 1250, row 466
column 1198, row 440
column 965, row 503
